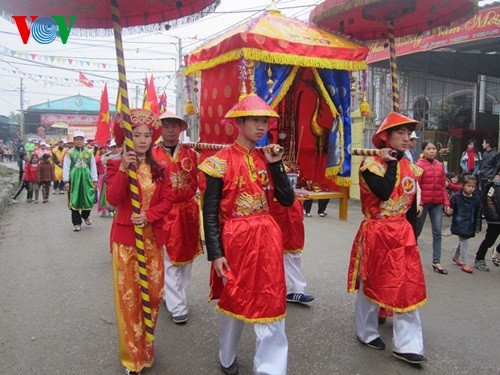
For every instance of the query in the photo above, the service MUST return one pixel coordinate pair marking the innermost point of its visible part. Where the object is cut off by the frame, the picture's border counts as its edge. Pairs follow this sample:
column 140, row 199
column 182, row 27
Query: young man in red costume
column 244, row 241
column 385, row 265
column 181, row 224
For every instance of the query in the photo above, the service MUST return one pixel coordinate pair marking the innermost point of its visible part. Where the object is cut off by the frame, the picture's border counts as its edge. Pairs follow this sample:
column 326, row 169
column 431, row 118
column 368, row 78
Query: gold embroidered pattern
column 374, row 166
column 147, row 184
column 251, row 167
column 214, row 166
column 247, row 204
column 394, row 207
column 416, row 170
column 240, row 181
column 180, row 180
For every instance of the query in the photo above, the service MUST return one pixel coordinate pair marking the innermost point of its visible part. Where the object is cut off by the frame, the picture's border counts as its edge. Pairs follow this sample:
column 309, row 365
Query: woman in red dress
column 155, row 196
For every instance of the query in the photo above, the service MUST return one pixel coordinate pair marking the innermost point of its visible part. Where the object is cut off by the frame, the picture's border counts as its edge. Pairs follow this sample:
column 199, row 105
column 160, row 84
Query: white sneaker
column 76, row 228
column 88, row 221
column 53, row 191
column 14, row 200
column 496, row 258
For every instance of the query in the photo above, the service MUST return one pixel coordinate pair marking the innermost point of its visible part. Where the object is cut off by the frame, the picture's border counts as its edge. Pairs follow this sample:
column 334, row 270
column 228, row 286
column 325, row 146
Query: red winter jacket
column 432, row 182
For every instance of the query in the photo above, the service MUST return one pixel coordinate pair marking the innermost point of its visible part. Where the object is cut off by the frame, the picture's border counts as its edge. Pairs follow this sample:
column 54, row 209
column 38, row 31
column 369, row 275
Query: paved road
column 57, row 314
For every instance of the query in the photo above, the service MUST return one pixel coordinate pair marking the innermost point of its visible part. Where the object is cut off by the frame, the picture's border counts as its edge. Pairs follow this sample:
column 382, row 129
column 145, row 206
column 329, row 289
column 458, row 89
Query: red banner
column 484, row 25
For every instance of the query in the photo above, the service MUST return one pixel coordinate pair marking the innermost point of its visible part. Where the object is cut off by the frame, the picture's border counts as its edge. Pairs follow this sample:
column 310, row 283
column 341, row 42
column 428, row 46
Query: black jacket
column 492, row 209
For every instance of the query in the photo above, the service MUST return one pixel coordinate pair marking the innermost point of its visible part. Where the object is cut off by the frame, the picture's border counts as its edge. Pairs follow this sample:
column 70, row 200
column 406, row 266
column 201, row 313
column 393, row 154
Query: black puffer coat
column 466, row 214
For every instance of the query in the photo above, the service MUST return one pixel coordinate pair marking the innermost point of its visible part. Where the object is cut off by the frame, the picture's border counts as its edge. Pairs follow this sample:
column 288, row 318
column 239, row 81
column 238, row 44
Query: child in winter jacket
column 46, row 174
column 466, row 219
column 452, row 184
column 31, row 176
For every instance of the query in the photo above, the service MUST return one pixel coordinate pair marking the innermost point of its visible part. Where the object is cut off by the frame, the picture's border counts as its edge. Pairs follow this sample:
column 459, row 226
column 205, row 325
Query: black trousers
column 322, row 203
column 492, row 233
column 78, row 216
column 23, row 186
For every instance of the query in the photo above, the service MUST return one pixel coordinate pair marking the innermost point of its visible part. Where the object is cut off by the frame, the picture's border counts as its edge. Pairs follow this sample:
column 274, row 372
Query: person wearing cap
column 90, row 144
column 409, row 154
column 385, row 265
column 244, row 242
column 183, row 242
column 58, row 153
column 156, row 200
column 42, row 149
column 80, row 177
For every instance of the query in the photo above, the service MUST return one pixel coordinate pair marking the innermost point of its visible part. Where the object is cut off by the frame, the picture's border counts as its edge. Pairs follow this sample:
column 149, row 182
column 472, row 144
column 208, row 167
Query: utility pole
column 137, row 96
column 179, row 81
column 21, row 117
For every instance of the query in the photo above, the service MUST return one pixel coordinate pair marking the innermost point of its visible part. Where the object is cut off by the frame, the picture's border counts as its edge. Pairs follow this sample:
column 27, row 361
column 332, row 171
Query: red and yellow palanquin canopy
column 286, row 56
column 368, row 19
column 274, row 38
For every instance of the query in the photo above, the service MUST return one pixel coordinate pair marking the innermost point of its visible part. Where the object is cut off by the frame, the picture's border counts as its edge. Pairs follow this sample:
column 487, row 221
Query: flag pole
column 132, row 172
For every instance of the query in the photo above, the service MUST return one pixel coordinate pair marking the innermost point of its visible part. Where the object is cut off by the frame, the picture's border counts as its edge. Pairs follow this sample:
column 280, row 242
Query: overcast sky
column 50, row 71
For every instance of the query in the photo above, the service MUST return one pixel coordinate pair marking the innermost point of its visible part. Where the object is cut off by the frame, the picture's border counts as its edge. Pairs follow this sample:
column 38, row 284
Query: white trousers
column 176, row 280
column 271, row 349
column 295, row 281
column 406, row 327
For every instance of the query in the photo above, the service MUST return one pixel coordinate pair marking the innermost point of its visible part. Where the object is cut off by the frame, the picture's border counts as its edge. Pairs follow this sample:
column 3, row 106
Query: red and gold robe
column 255, row 290
column 384, row 254
column 291, row 223
column 182, row 223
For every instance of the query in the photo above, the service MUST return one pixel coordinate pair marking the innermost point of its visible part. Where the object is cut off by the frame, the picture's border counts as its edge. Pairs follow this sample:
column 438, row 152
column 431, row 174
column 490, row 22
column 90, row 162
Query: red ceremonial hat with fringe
column 138, row 116
column 391, row 121
column 251, row 105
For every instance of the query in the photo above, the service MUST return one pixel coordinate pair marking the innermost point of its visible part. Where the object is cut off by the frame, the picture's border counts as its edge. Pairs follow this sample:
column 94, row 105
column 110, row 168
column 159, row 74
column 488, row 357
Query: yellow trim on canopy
column 286, row 86
column 276, row 58
column 332, row 172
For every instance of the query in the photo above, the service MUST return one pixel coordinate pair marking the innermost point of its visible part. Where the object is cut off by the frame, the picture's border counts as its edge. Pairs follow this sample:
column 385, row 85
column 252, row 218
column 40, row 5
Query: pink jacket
column 433, row 183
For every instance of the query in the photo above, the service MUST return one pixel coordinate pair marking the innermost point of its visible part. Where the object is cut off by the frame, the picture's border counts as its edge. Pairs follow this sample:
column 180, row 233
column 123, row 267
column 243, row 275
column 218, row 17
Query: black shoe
column 377, row 344
column 231, row 370
column 410, row 357
column 180, row 319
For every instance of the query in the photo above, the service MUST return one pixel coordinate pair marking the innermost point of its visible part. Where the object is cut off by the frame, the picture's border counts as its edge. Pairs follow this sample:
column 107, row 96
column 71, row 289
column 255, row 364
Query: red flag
column 103, row 133
column 85, row 81
column 163, row 102
column 151, row 98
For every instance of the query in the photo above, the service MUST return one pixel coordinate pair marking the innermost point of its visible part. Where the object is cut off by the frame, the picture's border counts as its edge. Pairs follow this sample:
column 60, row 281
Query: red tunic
column 255, row 291
column 384, row 253
column 291, row 223
column 182, row 224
